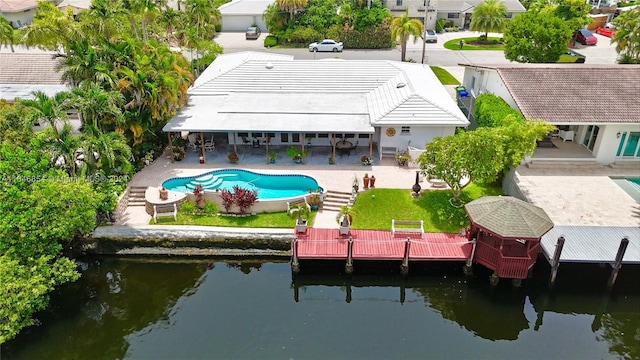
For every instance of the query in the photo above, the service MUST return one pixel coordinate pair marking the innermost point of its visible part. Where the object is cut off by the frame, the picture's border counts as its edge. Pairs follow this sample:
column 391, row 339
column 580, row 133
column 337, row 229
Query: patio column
column 370, row 146
column 302, row 143
column 333, row 146
column 235, row 148
column 204, row 153
column 267, row 147
column 170, row 146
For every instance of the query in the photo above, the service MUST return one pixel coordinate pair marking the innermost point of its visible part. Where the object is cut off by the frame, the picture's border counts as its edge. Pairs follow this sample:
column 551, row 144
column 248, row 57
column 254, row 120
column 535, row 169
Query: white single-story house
column 19, row 12
column 77, row 6
column 376, row 104
column 595, row 106
column 238, row 15
column 458, row 11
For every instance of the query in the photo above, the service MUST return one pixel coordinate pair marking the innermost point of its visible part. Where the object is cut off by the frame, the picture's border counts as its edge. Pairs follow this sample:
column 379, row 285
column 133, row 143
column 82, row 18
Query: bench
column 418, row 227
column 388, row 150
column 165, row 210
column 292, row 206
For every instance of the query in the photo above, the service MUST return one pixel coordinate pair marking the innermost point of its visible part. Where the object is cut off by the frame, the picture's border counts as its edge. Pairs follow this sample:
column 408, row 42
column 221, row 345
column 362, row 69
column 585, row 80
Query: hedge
column 492, row 110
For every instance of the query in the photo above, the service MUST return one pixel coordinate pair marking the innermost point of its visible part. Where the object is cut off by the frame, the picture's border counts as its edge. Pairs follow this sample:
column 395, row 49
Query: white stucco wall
column 418, row 137
column 24, row 17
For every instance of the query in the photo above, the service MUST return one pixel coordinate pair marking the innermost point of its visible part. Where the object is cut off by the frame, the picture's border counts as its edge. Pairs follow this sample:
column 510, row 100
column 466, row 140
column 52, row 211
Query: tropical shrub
column 244, row 198
column 491, row 110
column 376, row 37
column 440, row 25
column 227, row 198
column 270, row 41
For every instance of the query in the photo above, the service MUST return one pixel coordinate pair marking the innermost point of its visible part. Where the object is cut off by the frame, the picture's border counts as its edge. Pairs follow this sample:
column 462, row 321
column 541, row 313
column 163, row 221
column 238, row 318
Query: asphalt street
column 435, row 54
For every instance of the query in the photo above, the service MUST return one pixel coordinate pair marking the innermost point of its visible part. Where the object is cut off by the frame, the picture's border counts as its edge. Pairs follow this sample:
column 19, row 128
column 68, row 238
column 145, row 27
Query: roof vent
column 269, row 65
column 401, row 85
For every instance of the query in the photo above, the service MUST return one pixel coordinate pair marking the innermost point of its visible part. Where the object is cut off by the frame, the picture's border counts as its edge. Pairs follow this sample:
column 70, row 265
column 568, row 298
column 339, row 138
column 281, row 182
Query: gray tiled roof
column 29, row 68
column 468, row 5
column 564, row 93
column 509, row 217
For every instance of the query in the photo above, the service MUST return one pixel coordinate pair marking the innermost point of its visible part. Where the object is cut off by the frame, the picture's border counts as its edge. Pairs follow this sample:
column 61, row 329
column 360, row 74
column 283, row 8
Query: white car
column 430, row 36
column 326, row 45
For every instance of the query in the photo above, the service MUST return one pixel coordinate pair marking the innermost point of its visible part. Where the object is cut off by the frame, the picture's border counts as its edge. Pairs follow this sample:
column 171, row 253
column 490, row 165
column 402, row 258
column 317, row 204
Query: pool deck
column 578, row 196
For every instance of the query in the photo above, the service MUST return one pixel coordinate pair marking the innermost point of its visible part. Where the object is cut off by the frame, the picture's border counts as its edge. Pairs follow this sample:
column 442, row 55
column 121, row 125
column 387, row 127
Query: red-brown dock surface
column 379, row 245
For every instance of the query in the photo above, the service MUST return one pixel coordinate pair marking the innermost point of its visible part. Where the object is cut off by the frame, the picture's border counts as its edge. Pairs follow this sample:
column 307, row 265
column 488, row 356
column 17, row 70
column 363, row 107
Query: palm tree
column 274, row 18
column 402, row 27
column 7, row 33
column 489, row 16
column 62, row 147
column 291, row 6
column 170, row 18
column 627, row 36
column 51, row 29
column 50, row 109
column 98, row 107
column 108, row 153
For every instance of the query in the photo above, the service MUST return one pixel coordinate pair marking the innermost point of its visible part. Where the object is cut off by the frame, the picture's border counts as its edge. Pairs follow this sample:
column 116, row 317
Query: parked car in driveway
column 430, row 36
column 585, row 37
column 253, row 33
column 326, row 45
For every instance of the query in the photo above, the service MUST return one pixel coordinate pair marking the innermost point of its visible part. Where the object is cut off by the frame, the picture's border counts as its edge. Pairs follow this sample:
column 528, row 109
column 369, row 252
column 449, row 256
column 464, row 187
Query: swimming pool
column 631, row 185
column 268, row 186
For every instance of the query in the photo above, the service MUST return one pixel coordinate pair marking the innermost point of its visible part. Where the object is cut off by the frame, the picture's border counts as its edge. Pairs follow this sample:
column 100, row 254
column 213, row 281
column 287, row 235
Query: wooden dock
column 610, row 245
column 380, row 245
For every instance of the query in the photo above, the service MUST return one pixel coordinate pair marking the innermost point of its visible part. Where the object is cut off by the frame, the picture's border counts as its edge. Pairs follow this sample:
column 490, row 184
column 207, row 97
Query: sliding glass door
column 629, row 145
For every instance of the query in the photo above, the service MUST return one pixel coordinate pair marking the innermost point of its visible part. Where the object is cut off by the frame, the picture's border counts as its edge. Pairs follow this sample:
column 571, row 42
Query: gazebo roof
column 509, row 217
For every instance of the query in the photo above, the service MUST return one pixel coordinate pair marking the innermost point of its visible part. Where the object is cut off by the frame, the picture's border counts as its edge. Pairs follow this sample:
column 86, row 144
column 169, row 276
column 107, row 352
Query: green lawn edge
column 444, row 76
column 454, row 44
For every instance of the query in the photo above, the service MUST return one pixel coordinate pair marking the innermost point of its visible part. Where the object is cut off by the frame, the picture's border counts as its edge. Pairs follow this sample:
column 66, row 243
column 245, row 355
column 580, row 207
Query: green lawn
column 264, row 220
column 454, row 44
column 374, row 209
column 444, row 76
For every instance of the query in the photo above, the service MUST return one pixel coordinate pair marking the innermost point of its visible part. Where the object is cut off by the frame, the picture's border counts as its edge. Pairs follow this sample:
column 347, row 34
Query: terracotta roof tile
column 561, row 93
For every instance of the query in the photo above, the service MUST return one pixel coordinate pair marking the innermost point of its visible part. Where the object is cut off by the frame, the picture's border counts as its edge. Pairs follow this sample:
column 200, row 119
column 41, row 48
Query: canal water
column 246, row 309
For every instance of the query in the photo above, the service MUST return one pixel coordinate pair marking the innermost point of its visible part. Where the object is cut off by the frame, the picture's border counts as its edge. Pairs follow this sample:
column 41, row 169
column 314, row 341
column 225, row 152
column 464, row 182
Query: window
column 363, row 136
column 509, row 15
column 284, row 137
column 398, row 2
column 272, row 135
column 453, row 15
column 349, row 136
column 310, row 136
column 323, row 135
column 243, row 134
column 295, row 137
column 405, row 130
column 256, row 135
column 473, row 82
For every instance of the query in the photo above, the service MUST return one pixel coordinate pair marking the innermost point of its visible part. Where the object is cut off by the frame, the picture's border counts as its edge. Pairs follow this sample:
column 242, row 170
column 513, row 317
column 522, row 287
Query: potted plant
column 178, row 153
column 314, row 199
column 365, row 181
column 297, row 155
column 331, row 160
column 148, row 157
column 163, row 193
column 272, row 157
column 403, row 158
column 372, row 181
column 301, row 221
column 233, row 157
column 355, row 185
column 365, row 160
column 345, row 219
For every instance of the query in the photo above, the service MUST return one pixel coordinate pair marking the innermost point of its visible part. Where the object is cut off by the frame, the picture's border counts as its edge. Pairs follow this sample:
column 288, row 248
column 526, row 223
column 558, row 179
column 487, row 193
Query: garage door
column 241, row 22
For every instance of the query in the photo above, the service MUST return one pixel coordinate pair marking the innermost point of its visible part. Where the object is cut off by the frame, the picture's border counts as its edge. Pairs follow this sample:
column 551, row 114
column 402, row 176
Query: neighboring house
column 76, row 6
column 238, row 15
column 597, row 107
column 19, row 12
column 376, row 103
column 23, row 73
column 458, row 11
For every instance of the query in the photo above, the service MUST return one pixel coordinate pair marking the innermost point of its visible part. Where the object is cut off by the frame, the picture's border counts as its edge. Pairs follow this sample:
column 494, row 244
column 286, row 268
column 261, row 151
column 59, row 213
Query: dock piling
column 295, row 266
column 555, row 262
column 468, row 266
column 348, row 268
column 404, row 268
column 616, row 267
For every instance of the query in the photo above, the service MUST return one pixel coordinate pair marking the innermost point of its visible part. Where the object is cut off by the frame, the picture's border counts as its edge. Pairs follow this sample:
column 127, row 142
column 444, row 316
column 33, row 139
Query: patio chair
column 193, row 142
column 245, row 140
column 209, row 145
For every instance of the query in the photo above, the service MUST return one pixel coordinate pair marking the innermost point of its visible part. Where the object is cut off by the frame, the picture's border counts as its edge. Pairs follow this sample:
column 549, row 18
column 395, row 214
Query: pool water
column 631, row 185
column 268, row 186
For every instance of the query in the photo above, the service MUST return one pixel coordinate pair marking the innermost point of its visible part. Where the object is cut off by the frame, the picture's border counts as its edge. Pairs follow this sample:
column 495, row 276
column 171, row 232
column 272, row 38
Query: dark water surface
column 232, row 309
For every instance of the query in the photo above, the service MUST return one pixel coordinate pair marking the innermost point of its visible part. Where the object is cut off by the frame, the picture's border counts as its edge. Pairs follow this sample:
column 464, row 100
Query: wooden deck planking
column 379, row 245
